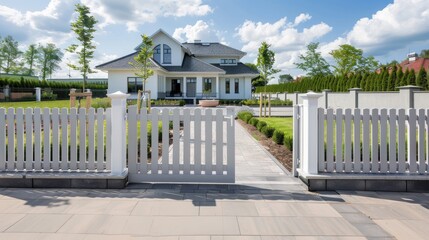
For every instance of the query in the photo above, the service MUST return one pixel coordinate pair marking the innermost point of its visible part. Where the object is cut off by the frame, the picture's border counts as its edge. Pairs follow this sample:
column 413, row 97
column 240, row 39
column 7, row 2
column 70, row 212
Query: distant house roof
column 123, row 62
column 212, row 50
column 416, row 64
column 240, row 68
column 192, row 64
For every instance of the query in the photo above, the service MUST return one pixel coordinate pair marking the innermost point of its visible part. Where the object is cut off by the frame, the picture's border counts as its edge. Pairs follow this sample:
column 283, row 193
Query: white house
column 185, row 71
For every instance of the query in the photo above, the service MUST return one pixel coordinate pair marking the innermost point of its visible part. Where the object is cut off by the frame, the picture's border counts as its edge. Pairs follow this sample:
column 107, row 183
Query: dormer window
column 228, row 61
column 167, row 54
column 157, row 53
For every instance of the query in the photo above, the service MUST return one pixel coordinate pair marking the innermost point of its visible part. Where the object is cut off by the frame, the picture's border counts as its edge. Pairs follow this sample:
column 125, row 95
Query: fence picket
column 208, row 142
column 427, row 140
column 143, row 143
column 374, row 141
column 392, row 141
column 64, row 140
column 28, row 138
column 230, row 139
column 219, row 142
column 19, row 121
column 154, row 141
column 197, row 141
column 108, row 115
column 329, row 140
column 37, row 139
column 73, row 139
column 2, row 139
column 383, row 138
column 11, row 139
column 46, row 163
column 132, row 139
column 100, row 139
column 82, row 139
column 55, row 140
column 339, row 140
column 412, row 118
column 347, row 141
column 366, row 167
column 401, row 141
column 421, row 142
column 165, row 141
column 357, row 165
column 91, row 140
column 321, row 137
column 186, row 141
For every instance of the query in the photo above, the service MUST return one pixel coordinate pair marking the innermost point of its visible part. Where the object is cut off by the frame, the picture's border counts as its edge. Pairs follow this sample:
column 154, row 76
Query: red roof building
column 414, row 62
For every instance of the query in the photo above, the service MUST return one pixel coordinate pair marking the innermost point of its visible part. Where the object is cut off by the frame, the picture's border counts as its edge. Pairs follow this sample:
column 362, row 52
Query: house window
column 236, row 85
column 157, row 53
column 228, row 61
column 227, row 86
column 167, row 54
column 207, row 84
column 134, row 84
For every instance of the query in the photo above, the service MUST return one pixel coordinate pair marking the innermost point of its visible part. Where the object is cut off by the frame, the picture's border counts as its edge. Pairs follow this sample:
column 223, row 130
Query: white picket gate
column 201, row 147
column 47, row 140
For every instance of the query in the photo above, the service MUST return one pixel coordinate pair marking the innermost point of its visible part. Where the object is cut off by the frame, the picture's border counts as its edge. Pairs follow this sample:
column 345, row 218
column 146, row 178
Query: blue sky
column 386, row 29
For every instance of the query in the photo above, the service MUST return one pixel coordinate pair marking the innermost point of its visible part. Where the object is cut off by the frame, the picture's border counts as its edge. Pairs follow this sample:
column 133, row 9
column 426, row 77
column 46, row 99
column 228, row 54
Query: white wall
column 177, row 52
column 381, row 100
column 421, row 100
column 340, row 100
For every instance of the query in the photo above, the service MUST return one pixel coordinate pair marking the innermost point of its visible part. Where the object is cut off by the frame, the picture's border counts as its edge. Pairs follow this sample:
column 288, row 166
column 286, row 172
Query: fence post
column 38, row 94
column 325, row 96
column 354, row 92
column 407, row 94
column 309, row 130
column 118, row 130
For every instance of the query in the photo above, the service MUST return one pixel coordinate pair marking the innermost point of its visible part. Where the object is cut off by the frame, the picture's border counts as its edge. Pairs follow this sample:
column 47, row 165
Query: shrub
column 278, row 137
column 254, row 121
column 247, row 118
column 288, row 142
column 101, row 103
column 268, row 131
column 242, row 115
column 49, row 96
column 260, row 125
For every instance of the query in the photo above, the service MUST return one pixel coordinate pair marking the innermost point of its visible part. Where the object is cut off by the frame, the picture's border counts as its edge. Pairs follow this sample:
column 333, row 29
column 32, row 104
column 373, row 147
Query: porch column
column 184, row 86
column 217, row 87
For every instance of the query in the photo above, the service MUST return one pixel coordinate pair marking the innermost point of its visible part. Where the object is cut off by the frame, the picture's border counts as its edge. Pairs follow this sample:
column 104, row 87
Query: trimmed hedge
column 288, row 142
column 254, row 121
column 268, row 131
column 278, row 137
column 33, row 83
column 260, row 125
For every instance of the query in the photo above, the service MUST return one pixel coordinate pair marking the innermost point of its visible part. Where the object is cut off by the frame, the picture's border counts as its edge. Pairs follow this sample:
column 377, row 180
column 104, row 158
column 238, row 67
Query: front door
column 175, row 88
column 191, row 87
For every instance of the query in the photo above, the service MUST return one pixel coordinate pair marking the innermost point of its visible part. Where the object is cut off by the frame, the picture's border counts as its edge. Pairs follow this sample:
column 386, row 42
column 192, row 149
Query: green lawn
column 284, row 124
column 42, row 104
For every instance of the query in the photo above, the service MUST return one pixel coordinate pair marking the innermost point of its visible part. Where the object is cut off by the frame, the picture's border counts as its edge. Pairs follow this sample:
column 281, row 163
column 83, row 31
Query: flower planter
column 209, row 103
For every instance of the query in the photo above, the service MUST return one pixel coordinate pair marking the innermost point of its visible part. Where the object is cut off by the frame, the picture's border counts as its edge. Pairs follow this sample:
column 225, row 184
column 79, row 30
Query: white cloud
column 201, row 30
column 133, row 13
column 286, row 40
column 398, row 25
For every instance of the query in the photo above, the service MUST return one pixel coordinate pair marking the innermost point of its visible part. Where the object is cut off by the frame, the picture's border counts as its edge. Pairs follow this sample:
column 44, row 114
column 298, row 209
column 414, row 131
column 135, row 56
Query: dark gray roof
column 212, row 49
column 123, row 62
column 240, row 68
column 192, row 64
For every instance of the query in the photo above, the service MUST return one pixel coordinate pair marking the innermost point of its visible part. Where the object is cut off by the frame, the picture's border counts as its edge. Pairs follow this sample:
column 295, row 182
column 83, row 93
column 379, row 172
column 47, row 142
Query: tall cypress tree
column 399, row 76
column 384, row 79
column 404, row 80
column 411, row 77
column 392, row 79
column 422, row 79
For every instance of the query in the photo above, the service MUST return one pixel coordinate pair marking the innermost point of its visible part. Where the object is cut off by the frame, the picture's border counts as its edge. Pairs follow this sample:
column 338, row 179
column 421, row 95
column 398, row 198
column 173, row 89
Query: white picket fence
column 34, row 140
column 201, row 151
column 376, row 141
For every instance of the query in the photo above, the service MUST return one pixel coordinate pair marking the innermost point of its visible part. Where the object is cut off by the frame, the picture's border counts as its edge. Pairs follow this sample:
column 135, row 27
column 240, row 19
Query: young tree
column 368, row 64
column 49, row 59
column 30, row 57
column 351, row 60
column 142, row 62
column 424, row 53
column 265, row 62
column 312, row 62
column 84, row 28
column 9, row 53
column 285, row 78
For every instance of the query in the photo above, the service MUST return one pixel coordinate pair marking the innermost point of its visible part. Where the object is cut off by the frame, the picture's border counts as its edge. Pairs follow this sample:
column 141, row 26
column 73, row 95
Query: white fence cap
column 118, row 95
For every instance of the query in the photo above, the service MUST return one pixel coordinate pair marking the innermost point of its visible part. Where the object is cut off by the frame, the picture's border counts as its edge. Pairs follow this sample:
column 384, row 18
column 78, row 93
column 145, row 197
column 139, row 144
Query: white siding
column 118, row 80
column 244, row 88
column 177, row 52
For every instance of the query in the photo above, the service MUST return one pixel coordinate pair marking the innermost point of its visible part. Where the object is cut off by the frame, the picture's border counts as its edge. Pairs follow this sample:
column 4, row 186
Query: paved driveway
column 265, row 203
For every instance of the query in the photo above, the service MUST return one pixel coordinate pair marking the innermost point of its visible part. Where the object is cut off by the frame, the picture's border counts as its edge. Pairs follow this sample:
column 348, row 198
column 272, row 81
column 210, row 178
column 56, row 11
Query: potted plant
column 208, row 102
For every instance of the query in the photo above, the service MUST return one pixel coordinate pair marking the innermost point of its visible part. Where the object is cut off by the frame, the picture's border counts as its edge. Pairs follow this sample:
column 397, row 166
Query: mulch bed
column 280, row 152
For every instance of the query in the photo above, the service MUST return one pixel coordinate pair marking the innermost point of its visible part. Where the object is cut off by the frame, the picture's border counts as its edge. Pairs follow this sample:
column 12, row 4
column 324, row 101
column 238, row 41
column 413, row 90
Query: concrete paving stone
column 28, row 193
column 165, row 208
column 296, row 209
column 233, row 196
column 84, row 224
column 195, row 196
column 398, row 229
column 312, row 238
column 277, row 197
column 229, row 208
column 23, row 236
column 11, row 205
column 371, row 230
column 235, row 238
column 344, row 208
column 311, row 226
column 194, row 238
column 356, row 218
column 88, row 206
column 331, row 197
column 152, row 194
column 396, row 211
column 39, row 223
column 202, row 225
column 7, row 220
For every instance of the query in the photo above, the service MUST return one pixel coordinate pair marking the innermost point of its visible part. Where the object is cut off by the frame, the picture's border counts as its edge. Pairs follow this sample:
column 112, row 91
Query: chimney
column 197, row 41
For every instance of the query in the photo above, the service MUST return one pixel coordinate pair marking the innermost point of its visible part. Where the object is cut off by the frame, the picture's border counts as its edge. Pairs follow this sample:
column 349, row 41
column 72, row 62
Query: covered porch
column 188, row 87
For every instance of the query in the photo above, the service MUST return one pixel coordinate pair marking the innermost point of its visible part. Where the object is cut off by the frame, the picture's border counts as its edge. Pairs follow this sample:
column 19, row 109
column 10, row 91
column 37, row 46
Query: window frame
column 166, row 50
column 155, row 52
column 227, row 86
column 236, row 86
column 136, row 80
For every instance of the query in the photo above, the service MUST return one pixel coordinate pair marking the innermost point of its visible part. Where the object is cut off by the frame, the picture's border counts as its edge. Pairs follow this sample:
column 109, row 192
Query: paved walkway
column 266, row 203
